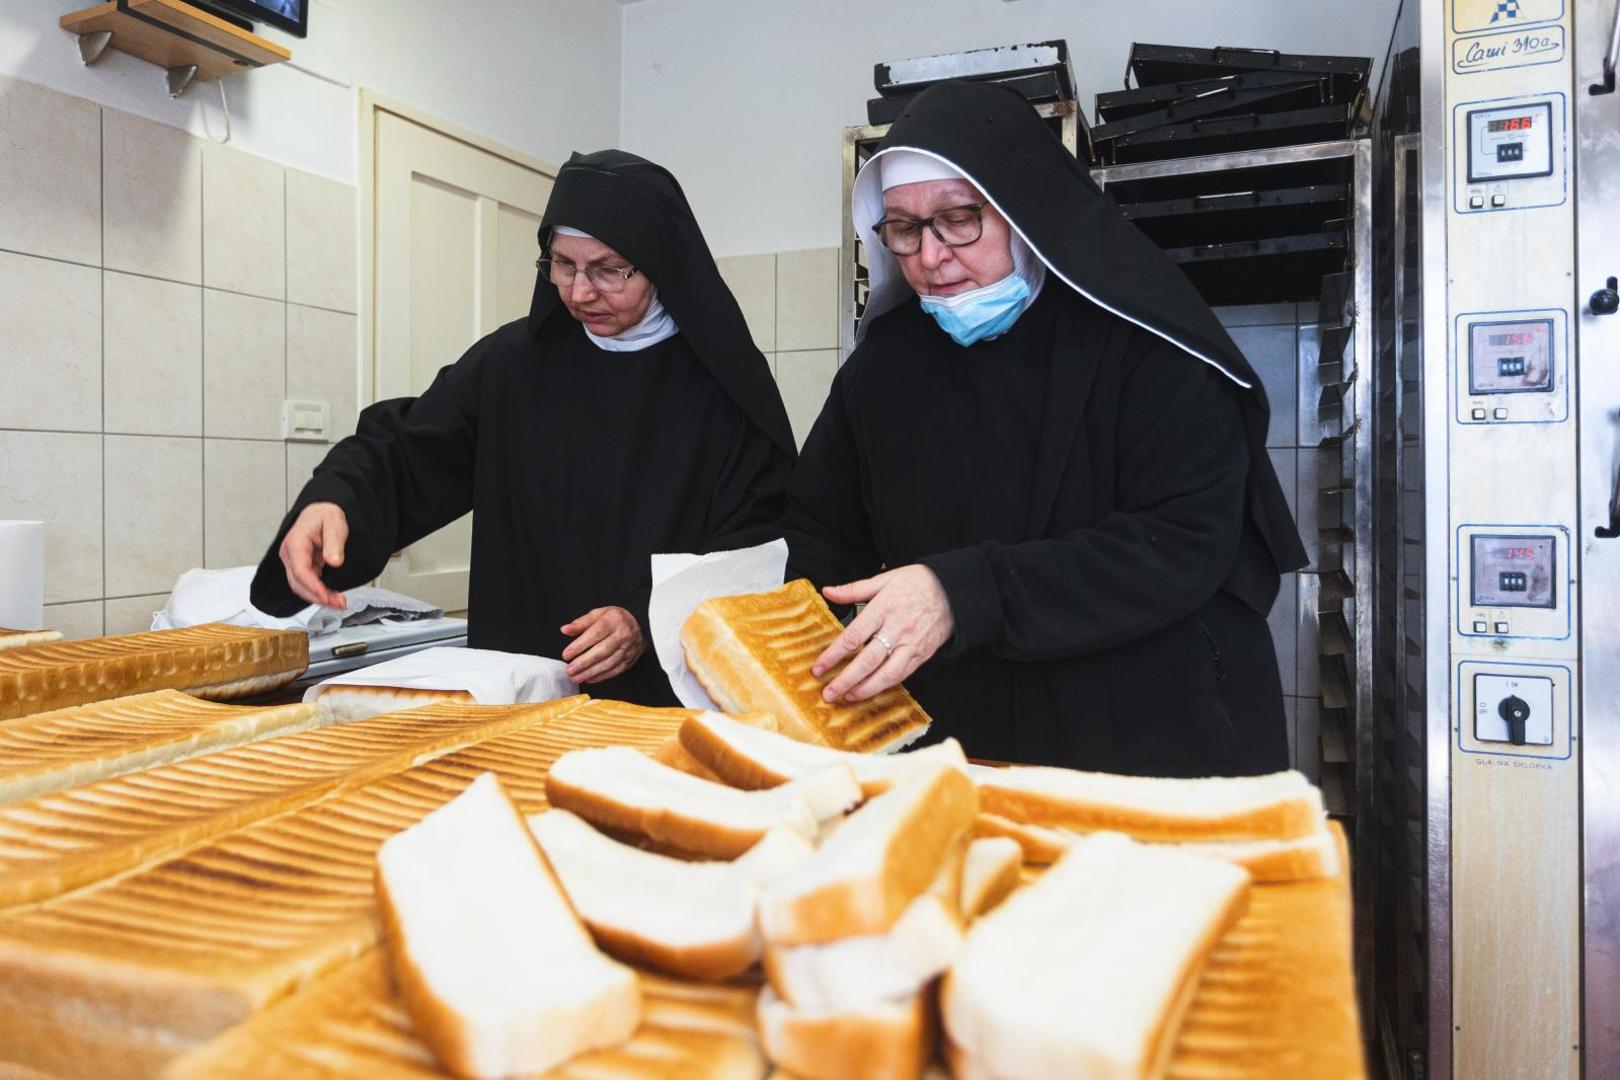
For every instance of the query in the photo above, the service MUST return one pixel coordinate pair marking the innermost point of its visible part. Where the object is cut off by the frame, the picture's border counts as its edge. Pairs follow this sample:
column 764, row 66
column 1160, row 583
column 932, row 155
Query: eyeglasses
column 954, row 226
column 604, row 279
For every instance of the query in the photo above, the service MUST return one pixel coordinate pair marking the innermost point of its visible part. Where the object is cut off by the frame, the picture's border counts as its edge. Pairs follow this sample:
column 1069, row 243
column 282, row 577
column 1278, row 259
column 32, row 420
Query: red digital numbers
column 1519, row 553
column 1512, row 123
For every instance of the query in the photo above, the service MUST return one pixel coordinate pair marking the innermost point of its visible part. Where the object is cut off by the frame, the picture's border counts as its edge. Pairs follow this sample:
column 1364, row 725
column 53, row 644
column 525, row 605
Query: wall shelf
column 186, row 42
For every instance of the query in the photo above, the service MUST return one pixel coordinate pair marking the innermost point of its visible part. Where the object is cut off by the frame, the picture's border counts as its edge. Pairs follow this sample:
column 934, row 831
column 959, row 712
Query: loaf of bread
column 344, row 703
column 119, row 978
column 498, row 974
column 213, row 660
column 881, row 1040
column 1088, row 971
column 694, row 919
column 350, row 1024
column 53, row 843
column 751, row 756
column 1312, row 856
column 12, row 639
column 61, row 749
column 1279, row 806
column 990, row 872
column 753, row 653
column 874, row 864
column 626, row 791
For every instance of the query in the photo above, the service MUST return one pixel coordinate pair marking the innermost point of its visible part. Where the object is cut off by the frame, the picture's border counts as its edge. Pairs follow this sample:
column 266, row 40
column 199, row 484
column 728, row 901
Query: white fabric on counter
column 202, row 596
column 22, row 575
column 681, row 582
column 491, row 677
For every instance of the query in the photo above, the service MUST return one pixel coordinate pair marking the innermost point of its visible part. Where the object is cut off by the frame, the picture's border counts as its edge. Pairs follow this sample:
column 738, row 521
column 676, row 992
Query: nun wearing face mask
column 1042, row 469
column 629, row 413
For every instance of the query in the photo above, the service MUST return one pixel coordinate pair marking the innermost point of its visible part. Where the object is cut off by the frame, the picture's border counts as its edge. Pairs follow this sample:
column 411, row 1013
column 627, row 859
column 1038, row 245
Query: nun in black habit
column 630, row 413
column 1058, row 453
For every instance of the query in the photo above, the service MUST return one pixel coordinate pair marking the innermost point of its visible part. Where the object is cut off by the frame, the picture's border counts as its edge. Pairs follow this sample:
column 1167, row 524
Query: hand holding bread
column 314, row 542
column 906, row 619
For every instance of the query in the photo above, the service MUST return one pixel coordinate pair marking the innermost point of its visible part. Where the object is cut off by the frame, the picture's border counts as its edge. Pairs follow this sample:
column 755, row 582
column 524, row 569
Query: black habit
column 578, row 463
column 1091, row 487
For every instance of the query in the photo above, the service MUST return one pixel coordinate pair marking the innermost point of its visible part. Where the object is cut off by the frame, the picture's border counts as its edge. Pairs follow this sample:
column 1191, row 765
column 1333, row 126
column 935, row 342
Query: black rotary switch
column 1606, row 301
column 1515, row 710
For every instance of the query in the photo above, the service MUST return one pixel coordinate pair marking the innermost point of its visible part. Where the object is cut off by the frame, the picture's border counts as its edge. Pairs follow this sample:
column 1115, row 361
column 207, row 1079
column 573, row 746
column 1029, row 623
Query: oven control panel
column 1510, row 154
column 1515, row 582
column 1512, row 367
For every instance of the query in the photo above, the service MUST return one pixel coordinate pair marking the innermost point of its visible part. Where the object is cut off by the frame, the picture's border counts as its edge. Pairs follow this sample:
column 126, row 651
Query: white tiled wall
column 790, row 300
column 160, row 295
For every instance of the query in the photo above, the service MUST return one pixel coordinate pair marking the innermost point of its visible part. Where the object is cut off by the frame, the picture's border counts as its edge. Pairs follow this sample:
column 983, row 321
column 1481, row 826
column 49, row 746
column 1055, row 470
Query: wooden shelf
column 174, row 35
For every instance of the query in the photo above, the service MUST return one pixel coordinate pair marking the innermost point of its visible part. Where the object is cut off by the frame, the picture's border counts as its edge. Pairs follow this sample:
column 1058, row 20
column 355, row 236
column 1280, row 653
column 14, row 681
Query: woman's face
column 938, row 269
column 605, row 314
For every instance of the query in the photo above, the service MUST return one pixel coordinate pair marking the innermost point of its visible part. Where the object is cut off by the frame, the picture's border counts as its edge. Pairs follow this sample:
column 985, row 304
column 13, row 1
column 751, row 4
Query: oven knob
column 1606, row 301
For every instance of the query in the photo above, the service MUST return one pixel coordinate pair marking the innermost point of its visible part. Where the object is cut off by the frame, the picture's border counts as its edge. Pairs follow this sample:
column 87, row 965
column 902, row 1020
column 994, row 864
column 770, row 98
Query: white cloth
column 910, row 167
column 202, row 596
column 491, row 677
column 564, row 230
column 681, row 582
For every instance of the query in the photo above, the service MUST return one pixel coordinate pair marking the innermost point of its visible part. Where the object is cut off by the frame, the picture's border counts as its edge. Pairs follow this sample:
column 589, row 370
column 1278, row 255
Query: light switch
column 306, row 421
column 1505, row 702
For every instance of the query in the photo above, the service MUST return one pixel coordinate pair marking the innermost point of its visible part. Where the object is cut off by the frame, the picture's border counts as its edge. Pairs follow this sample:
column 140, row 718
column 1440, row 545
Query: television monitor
column 289, row 15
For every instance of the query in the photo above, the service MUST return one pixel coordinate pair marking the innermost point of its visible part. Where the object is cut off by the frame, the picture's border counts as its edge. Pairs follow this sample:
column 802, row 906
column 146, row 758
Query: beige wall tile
column 50, row 173
column 56, row 478
column 321, row 243
column 153, row 356
column 50, row 344
column 133, row 614
column 244, row 223
column 301, row 461
column 323, row 362
column 804, row 379
column 244, row 365
column 76, row 621
column 807, row 299
column 244, row 497
column 153, row 189
column 752, row 280
column 154, row 512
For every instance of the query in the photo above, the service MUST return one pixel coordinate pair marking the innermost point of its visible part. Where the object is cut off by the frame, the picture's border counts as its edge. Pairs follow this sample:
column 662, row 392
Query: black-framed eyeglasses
column 605, row 279
column 954, row 226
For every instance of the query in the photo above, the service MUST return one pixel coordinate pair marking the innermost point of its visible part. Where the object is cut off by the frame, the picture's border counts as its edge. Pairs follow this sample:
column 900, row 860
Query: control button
column 1515, row 710
column 1500, row 414
column 1498, row 201
column 1501, row 628
column 1478, row 414
column 1482, row 627
column 1476, row 202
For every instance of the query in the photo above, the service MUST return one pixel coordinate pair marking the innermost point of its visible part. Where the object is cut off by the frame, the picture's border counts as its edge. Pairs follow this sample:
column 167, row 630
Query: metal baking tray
column 1220, row 217
column 1281, row 269
column 1215, row 102
column 1227, row 134
column 1152, row 65
column 1120, row 104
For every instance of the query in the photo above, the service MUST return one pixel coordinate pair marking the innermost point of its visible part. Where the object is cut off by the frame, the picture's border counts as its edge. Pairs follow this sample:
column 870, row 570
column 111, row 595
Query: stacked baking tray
column 1189, row 102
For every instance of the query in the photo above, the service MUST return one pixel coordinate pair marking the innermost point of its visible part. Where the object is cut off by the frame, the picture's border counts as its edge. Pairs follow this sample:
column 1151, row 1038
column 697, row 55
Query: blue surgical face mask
column 991, row 310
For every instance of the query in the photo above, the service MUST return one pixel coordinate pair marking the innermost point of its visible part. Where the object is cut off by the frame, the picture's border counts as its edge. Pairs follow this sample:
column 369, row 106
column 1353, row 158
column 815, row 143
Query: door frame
column 372, row 105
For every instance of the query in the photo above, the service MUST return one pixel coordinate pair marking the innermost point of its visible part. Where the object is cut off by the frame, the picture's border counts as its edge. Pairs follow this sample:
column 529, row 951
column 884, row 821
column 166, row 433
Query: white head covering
column 909, row 167
column 655, row 326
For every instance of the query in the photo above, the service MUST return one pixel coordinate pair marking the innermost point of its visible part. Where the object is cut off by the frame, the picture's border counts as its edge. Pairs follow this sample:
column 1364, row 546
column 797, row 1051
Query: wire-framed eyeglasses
column 954, row 226
column 605, row 279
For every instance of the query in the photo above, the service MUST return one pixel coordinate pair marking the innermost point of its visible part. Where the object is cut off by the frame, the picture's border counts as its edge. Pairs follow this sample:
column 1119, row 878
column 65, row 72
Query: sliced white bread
column 624, row 790
column 1088, row 971
column 342, row 703
column 64, row 748
column 1278, row 806
column 990, row 872
column 498, row 974
column 873, row 865
column 1269, row 861
column 883, row 1040
column 687, row 918
column 750, row 757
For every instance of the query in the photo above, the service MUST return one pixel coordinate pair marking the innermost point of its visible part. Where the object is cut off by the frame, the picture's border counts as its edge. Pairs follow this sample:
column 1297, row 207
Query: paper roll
column 22, row 575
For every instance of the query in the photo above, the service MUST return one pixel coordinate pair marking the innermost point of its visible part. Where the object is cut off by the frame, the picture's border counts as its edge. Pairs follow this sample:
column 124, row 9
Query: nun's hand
column 906, row 619
column 607, row 640
column 314, row 542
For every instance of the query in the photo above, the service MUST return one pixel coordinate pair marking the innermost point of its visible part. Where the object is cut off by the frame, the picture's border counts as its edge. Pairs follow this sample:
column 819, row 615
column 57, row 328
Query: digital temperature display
column 1514, row 571
column 1510, row 357
column 1511, row 123
column 1513, row 142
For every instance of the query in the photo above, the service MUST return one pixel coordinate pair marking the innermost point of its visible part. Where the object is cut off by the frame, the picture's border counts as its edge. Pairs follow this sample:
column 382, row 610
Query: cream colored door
column 452, row 258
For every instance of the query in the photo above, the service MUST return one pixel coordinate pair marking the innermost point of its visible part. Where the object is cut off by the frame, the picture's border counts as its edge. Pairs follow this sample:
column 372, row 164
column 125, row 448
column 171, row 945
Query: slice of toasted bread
column 753, row 653
column 881, row 1040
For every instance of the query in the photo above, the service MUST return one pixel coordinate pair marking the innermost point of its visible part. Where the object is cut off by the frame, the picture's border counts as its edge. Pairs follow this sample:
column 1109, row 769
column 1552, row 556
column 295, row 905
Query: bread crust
column 211, row 660
column 891, row 1043
column 753, row 653
column 16, row 639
